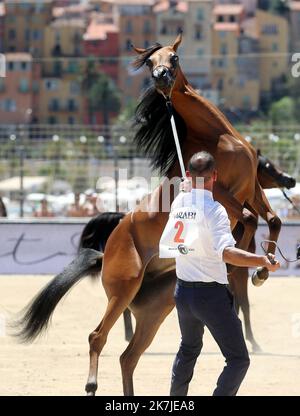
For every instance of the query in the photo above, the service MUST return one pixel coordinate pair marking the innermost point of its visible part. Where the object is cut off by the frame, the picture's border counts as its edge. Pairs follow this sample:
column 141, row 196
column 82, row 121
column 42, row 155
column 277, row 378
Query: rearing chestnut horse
column 134, row 242
column 132, row 247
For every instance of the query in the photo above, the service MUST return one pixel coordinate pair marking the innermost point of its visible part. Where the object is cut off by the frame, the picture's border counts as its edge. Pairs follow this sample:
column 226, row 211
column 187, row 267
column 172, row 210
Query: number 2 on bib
column 177, row 238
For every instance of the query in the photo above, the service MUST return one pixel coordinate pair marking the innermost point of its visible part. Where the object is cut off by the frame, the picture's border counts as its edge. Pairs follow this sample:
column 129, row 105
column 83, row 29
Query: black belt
column 197, row 284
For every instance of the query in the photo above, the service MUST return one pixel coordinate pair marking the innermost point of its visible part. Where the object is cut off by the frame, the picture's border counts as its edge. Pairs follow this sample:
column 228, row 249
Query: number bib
column 181, row 233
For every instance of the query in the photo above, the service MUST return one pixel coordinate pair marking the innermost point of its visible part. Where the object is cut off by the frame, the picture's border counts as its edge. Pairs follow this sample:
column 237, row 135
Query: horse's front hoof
column 259, row 276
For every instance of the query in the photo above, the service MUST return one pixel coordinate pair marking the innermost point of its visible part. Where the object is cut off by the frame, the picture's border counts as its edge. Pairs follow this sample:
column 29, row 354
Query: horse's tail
column 37, row 315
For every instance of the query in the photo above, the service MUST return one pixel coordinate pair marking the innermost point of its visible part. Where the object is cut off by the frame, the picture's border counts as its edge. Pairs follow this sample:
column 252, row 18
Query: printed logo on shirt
column 183, row 249
column 185, row 215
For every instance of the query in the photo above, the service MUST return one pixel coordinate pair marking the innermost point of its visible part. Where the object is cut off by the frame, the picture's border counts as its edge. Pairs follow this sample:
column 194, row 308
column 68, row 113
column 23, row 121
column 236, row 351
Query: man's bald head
column 202, row 164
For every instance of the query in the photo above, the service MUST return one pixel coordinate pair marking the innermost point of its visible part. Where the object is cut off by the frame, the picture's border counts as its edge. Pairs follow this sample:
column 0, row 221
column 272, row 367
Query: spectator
column 91, row 204
column 3, row 212
column 76, row 210
column 44, row 211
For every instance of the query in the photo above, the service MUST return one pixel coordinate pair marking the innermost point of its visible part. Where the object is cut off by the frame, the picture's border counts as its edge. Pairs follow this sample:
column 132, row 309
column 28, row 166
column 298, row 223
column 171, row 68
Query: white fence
column 47, row 246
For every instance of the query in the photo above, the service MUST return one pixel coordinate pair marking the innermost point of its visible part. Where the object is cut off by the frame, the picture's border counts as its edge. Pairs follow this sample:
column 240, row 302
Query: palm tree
column 104, row 97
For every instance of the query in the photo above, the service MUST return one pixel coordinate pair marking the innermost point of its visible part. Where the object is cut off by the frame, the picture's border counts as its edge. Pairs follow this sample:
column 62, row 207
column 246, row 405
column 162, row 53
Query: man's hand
column 271, row 263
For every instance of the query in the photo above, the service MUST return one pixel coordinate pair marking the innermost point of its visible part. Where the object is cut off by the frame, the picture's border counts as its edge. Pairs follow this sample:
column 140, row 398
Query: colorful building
column 271, row 31
column 295, row 26
column 101, row 40
column 2, row 19
column 17, row 90
column 137, row 25
column 235, row 63
column 25, row 22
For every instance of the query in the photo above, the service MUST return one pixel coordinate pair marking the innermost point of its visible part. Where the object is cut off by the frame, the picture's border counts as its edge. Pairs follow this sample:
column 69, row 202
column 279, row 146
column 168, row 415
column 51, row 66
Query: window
column 24, row 66
column 71, row 104
column 147, row 27
column 220, row 84
column 220, row 19
column 146, row 44
column 37, row 35
column 128, row 45
column 12, row 34
column 269, row 30
column 246, row 101
column 74, row 87
column 52, row 120
column 198, row 32
column 10, row 105
column 232, row 18
column 128, row 28
column 163, row 30
column 53, row 104
column 72, row 66
column 223, row 49
column 71, row 120
column 200, row 52
column 274, row 47
column 200, row 14
column 11, row 66
column 51, row 85
column 23, row 85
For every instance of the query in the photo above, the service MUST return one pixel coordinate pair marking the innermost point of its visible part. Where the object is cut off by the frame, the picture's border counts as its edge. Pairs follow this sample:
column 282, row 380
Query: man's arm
column 238, row 257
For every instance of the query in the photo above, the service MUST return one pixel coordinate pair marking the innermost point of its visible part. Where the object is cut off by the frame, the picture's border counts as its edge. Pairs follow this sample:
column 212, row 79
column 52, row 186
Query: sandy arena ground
column 58, row 363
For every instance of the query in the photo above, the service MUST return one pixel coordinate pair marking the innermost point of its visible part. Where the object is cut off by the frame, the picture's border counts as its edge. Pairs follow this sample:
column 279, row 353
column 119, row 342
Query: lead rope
column 278, row 248
column 176, row 139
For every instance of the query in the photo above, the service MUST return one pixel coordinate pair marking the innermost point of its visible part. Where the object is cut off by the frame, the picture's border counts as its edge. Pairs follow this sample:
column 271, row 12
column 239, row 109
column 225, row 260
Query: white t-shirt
column 215, row 235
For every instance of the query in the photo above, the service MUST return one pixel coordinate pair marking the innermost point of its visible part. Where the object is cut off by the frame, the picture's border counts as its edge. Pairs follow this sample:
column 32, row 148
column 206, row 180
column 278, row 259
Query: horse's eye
column 149, row 63
column 174, row 59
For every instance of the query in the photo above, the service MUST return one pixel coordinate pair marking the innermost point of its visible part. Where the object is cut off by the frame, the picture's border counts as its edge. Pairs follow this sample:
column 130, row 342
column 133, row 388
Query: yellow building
column 60, row 101
column 193, row 17
column 272, row 32
column 25, row 22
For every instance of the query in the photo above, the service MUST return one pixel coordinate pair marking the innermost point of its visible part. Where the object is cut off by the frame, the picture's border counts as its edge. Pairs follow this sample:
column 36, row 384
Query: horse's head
column 270, row 176
column 163, row 63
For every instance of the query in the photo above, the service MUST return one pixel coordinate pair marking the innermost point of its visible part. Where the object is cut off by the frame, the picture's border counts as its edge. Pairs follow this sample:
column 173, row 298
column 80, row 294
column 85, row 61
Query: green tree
column 101, row 92
column 282, row 111
column 104, row 97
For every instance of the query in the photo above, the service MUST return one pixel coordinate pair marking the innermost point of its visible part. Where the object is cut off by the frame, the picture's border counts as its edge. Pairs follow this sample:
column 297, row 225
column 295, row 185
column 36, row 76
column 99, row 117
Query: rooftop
column 181, row 6
column 295, row 6
column 98, row 30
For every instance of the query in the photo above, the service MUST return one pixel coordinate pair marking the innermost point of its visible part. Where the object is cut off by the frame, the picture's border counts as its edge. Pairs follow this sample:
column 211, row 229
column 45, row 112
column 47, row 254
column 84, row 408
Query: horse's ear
column 177, row 41
column 138, row 50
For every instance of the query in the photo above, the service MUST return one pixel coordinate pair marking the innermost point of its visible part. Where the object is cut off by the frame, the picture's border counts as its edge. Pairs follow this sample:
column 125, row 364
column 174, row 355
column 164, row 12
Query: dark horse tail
column 37, row 315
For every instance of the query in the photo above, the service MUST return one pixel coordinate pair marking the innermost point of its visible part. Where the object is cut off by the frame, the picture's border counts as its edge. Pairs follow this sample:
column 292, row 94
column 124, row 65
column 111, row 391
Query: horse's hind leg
column 120, row 293
column 150, row 310
column 128, row 324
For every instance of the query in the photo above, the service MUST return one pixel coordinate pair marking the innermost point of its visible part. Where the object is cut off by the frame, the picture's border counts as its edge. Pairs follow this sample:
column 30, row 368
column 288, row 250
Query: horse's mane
column 154, row 136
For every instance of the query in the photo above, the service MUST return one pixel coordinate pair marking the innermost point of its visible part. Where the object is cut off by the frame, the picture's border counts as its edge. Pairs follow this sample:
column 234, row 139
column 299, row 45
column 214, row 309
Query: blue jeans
column 210, row 306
